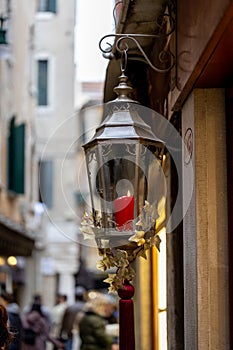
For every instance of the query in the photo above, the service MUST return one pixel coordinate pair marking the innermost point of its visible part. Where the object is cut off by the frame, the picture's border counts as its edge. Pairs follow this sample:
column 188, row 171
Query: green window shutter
column 47, row 6
column 16, row 157
column 11, row 147
column 52, row 6
column 42, row 82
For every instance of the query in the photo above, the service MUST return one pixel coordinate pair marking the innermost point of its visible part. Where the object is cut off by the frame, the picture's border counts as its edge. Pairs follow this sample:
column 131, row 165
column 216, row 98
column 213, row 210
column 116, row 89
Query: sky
column 94, row 20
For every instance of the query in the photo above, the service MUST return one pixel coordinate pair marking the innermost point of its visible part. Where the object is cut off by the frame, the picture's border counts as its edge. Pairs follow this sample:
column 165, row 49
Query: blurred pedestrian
column 36, row 323
column 76, row 340
column 5, row 334
column 14, row 318
column 57, row 314
column 69, row 317
column 37, row 299
column 92, row 326
column 112, row 318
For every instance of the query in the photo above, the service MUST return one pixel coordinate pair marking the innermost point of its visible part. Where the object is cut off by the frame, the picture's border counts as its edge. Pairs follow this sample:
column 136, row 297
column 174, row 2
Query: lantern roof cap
column 123, row 120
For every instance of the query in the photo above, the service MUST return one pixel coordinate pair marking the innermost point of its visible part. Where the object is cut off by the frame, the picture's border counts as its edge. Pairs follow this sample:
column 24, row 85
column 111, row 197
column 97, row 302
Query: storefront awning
column 14, row 239
column 136, row 17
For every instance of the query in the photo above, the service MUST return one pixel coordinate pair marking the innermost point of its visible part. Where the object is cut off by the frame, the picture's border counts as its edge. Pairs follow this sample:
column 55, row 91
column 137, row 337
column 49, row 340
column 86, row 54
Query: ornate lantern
column 123, row 160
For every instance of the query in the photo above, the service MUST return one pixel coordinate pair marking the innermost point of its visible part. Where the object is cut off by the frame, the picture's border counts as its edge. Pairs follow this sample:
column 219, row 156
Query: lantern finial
column 123, row 89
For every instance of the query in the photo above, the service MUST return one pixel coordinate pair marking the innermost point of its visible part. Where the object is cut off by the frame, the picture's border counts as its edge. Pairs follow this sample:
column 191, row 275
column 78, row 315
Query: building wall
column 206, row 299
column 56, row 137
column 56, row 125
column 143, row 305
column 50, row 134
column 16, row 99
column 16, row 96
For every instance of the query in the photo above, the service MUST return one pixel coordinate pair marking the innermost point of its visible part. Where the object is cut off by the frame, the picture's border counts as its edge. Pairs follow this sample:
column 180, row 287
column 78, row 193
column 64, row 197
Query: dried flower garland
column 121, row 257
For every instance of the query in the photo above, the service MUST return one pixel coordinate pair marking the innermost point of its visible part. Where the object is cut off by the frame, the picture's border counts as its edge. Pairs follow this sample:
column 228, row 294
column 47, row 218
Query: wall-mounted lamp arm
column 122, row 46
column 165, row 27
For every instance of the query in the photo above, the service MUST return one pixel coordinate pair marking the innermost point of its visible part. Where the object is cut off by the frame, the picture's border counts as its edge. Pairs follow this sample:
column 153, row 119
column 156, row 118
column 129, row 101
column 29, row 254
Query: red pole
column 126, row 317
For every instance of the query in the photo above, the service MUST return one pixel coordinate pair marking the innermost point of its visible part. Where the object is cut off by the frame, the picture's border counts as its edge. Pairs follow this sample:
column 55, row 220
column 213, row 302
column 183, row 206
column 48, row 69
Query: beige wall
column 205, row 224
column 56, row 137
column 17, row 99
column 32, row 36
column 56, row 124
column 142, row 304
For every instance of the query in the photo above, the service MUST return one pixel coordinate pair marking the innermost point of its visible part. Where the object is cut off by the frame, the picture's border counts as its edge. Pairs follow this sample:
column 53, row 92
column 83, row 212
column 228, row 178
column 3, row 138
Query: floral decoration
column 121, row 257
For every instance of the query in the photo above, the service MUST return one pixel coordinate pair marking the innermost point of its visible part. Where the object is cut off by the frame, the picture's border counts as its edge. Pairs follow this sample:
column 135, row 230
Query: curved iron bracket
column 121, row 45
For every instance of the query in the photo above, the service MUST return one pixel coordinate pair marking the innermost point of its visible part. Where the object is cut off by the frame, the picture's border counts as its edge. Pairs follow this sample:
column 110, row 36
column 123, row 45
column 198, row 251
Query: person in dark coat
column 5, row 334
column 37, row 299
column 92, row 326
column 37, row 322
column 15, row 323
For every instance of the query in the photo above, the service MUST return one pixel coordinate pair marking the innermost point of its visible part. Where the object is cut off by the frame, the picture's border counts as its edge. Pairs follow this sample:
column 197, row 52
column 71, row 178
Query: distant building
column 56, row 132
column 38, row 132
column 16, row 142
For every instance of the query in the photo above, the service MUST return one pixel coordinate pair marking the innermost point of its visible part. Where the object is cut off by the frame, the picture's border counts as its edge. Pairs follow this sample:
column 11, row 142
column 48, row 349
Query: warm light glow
column 162, row 330
column 128, row 193
column 12, row 261
column 162, row 272
column 2, row 261
column 162, row 292
column 92, row 295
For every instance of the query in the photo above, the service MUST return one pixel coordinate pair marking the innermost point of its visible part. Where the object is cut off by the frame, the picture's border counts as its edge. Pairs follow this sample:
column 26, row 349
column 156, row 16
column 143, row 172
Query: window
column 45, row 173
column 16, row 157
column 47, row 6
column 42, row 97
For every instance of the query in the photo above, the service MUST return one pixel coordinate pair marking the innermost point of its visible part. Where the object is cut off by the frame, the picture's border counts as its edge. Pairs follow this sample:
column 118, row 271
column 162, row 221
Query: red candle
column 124, row 212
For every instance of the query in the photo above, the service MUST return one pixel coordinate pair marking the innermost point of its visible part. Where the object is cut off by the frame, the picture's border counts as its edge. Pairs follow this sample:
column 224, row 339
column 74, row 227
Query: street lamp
column 123, row 162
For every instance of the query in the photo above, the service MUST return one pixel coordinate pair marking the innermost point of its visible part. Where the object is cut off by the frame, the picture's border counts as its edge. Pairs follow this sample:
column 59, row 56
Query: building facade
column 195, row 97
column 16, row 118
column 56, row 132
column 38, row 130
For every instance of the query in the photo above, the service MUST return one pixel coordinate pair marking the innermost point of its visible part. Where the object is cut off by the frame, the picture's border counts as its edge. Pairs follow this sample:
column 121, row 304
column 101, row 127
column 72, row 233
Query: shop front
column 189, row 308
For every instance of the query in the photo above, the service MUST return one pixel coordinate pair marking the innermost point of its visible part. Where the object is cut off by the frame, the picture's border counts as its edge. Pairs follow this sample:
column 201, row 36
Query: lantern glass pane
column 152, row 185
column 115, row 183
column 91, row 162
column 123, row 176
column 155, row 177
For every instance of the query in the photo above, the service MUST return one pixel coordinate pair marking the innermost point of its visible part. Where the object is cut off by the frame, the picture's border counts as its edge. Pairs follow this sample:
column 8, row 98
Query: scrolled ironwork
column 121, row 45
column 106, row 149
column 108, row 51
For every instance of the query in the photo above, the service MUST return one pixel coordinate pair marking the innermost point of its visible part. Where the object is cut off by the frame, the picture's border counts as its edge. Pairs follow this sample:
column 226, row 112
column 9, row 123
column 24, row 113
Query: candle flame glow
column 128, row 193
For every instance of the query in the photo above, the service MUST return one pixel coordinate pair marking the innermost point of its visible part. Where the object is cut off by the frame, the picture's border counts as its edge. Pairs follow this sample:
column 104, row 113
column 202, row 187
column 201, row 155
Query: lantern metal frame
column 122, row 123
column 122, row 126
